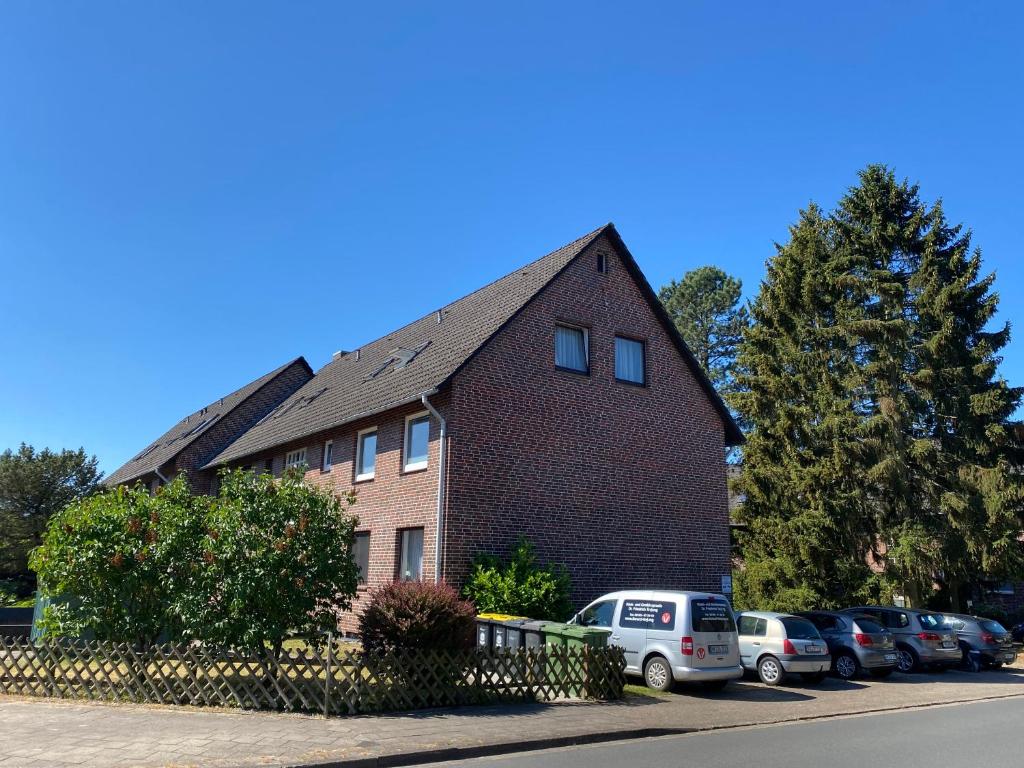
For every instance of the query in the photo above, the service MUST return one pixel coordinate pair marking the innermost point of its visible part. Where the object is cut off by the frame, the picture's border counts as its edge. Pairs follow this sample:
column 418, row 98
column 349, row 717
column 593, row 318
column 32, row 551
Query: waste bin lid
column 535, row 624
column 499, row 616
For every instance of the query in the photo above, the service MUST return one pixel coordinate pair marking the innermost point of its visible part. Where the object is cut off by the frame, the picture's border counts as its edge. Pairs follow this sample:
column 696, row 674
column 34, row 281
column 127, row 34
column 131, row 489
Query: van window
column 711, row 616
column 647, row 614
column 598, row 615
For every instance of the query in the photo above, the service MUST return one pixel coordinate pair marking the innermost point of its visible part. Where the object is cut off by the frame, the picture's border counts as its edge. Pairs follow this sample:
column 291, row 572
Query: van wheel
column 770, row 670
column 658, row 674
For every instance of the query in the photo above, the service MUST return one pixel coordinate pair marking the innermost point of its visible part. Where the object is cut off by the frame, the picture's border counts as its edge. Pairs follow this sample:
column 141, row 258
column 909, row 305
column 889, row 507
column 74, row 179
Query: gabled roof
column 424, row 356
column 192, row 427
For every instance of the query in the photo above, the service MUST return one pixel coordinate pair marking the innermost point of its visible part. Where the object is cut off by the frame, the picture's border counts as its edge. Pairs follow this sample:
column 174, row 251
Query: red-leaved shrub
column 416, row 615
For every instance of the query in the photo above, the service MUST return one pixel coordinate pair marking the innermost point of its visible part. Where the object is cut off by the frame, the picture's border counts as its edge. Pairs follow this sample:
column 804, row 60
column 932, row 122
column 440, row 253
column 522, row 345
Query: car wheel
column 846, row 666
column 713, row 686
column 906, row 659
column 770, row 670
column 881, row 674
column 658, row 674
column 812, row 677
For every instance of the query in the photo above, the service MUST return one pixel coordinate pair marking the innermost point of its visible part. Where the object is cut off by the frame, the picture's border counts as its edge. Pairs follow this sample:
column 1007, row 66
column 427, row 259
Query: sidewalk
column 39, row 732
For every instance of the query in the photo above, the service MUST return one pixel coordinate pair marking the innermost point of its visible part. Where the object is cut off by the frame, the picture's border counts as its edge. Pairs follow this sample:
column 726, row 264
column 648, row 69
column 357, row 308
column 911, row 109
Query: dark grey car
column 923, row 640
column 989, row 638
column 858, row 643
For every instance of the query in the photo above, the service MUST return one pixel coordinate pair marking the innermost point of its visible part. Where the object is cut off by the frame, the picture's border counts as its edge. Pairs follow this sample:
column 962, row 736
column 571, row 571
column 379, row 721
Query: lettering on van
column 647, row 614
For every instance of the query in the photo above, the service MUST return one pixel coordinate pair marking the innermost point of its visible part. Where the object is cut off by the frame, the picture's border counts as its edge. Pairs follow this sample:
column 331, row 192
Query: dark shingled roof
column 190, row 429
column 425, row 354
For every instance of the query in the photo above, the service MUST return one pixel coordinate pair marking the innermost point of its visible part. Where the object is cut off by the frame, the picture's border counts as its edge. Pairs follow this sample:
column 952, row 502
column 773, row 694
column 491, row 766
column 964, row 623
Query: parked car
column 775, row 644
column 858, row 643
column 922, row 638
column 989, row 638
column 670, row 637
column 1018, row 632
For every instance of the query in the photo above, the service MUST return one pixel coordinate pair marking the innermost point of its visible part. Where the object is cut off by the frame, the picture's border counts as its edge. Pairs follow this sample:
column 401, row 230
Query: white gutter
column 441, row 467
column 163, row 479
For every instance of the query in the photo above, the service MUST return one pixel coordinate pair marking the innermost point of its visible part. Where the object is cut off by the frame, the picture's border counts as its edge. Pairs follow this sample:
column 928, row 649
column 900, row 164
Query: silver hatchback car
column 775, row 644
column 923, row 639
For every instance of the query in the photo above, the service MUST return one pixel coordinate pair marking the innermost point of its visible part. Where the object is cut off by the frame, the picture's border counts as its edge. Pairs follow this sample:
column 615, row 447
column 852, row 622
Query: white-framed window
column 417, row 439
column 366, row 453
column 410, row 560
column 572, row 348
column 630, row 360
column 328, row 457
column 296, row 458
column 361, row 554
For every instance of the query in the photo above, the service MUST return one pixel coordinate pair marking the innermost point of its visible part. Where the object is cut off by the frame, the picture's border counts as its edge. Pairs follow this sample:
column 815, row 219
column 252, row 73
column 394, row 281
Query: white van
column 670, row 636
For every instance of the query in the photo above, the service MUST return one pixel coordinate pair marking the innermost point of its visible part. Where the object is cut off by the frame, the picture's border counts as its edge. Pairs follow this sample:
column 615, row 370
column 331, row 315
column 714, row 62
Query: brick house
column 557, row 403
column 190, row 444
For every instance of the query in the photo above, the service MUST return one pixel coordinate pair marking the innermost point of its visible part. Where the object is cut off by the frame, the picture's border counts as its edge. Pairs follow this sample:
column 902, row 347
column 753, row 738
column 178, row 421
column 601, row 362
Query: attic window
column 602, row 263
column 146, row 452
column 198, row 427
column 399, row 358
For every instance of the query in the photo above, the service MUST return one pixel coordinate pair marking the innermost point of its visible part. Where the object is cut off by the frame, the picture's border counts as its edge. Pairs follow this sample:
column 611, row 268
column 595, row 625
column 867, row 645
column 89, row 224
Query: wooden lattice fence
column 332, row 680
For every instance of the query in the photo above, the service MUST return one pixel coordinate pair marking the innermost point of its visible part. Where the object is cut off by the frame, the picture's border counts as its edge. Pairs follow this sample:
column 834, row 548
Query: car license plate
column 890, row 657
column 813, row 649
column 948, row 644
column 718, row 650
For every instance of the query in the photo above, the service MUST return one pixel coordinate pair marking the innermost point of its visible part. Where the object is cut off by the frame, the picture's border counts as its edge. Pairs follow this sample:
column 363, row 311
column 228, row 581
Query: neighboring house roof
column 191, row 428
column 424, row 355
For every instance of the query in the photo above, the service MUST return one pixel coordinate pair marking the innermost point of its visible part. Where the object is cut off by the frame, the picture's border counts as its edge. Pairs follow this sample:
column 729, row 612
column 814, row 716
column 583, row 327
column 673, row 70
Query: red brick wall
column 229, row 428
column 391, row 501
column 626, row 485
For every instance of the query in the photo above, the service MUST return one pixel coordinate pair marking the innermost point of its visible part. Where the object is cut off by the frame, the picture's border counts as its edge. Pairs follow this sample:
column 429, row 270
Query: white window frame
column 327, row 458
column 359, row 455
column 586, row 348
column 296, row 458
column 412, row 466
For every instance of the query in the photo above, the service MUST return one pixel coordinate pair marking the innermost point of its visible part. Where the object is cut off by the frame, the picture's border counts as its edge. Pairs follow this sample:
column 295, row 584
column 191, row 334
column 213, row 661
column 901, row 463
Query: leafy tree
column 705, row 307
column 520, row 585
column 880, row 428
column 263, row 559
column 119, row 560
column 276, row 560
column 33, row 487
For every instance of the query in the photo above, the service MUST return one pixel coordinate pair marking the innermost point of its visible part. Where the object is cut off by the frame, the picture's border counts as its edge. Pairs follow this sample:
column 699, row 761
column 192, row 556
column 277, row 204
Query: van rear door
column 713, row 632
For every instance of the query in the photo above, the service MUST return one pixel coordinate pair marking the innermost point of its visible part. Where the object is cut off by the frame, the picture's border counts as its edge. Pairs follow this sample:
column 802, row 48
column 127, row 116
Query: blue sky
column 192, row 193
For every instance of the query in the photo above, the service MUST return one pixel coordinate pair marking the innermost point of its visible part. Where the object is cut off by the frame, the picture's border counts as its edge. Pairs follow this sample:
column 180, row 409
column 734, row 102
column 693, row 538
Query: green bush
column 520, row 585
column 415, row 615
column 262, row 559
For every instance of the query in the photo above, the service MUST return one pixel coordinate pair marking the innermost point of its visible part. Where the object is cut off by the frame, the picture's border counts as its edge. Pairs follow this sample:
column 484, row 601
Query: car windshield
column 870, row 626
column 800, row 629
column 993, row 626
column 933, row 621
column 711, row 616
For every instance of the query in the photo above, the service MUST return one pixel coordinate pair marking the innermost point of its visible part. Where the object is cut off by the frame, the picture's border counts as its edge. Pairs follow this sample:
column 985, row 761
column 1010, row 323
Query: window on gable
column 572, row 348
column 295, row 458
column 366, row 454
column 630, row 362
column 417, row 437
column 602, row 263
column 328, row 457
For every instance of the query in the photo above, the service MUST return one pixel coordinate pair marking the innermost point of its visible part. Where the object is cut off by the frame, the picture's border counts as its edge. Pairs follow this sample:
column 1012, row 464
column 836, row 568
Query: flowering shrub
column 415, row 615
column 264, row 558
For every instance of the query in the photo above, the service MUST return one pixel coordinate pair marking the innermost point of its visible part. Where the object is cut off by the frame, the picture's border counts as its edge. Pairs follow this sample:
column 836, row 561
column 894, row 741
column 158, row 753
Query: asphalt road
column 982, row 733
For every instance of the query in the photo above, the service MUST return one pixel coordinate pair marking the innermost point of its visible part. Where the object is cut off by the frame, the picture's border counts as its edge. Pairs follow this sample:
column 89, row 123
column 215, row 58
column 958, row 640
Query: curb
column 492, row 750
column 445, row 754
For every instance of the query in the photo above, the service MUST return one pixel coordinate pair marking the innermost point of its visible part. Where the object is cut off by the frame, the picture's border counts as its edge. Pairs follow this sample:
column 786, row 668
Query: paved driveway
column 39, row 732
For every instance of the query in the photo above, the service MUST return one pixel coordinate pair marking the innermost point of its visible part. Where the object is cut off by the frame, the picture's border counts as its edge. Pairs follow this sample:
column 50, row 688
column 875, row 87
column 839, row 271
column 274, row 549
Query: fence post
column 327, row 677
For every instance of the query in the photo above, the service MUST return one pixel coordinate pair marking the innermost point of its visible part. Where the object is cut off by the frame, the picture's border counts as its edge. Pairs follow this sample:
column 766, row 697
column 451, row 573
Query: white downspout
column 441, row 467
column 163, row 479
